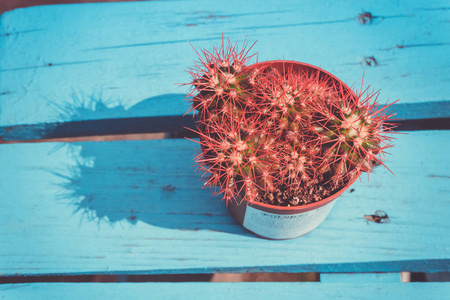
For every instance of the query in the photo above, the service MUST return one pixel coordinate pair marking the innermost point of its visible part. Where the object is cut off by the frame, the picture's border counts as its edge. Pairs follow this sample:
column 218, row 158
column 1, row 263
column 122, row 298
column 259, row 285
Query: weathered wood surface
column 137, row 207
column 260, row 290
column 59, row 63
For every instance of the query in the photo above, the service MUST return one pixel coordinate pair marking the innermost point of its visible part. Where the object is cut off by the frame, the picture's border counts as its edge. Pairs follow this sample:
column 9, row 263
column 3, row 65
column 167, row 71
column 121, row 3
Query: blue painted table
column 70, row 205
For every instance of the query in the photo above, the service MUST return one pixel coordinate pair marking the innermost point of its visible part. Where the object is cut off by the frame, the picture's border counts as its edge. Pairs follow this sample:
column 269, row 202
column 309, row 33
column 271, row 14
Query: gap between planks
column 98, row 138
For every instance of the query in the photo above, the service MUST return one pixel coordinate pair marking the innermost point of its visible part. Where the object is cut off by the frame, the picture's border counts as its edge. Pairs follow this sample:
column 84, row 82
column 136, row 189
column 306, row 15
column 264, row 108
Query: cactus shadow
column 150, row 181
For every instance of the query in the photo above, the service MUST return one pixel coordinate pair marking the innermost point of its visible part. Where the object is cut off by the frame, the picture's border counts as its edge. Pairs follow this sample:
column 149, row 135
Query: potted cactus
column 281, row 140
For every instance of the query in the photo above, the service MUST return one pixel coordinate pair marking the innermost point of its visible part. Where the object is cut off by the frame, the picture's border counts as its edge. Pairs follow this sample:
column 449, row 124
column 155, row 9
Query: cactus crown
column 279, row 133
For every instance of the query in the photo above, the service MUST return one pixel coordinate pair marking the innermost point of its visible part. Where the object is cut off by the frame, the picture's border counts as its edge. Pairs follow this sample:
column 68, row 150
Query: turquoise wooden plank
column 137, row 207
column 257, row 290
column 360, row 277
column 53, row 58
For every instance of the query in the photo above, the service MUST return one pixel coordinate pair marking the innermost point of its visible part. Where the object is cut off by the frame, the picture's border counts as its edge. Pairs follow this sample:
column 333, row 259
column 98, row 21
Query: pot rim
column 262, row 63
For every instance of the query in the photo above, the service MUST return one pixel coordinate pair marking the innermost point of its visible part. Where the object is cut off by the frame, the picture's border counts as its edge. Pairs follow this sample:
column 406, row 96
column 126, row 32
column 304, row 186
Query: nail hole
column 365, row 18
column 168, row 188
column 379, row 217
column 369, row 61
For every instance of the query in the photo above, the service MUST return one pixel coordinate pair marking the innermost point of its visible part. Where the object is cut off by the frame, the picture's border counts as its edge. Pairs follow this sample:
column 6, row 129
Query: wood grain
column 121, row 60
column 137, row 207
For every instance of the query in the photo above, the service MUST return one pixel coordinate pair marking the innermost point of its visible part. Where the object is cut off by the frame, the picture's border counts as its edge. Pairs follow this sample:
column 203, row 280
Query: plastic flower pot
column 281, row 222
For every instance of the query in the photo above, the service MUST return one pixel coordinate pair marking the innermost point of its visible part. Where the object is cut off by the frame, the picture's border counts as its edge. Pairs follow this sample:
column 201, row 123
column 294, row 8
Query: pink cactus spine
column 266, row 131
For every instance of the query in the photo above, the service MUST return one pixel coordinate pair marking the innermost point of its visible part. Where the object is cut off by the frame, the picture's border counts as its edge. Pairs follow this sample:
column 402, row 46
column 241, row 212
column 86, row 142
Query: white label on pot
column 276, row 226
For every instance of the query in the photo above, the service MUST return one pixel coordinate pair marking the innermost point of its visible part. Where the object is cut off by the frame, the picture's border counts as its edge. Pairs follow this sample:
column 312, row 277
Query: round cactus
column 276, row 133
